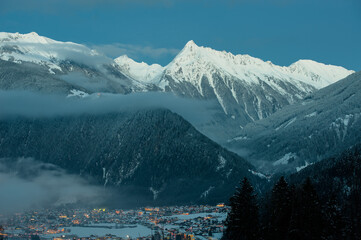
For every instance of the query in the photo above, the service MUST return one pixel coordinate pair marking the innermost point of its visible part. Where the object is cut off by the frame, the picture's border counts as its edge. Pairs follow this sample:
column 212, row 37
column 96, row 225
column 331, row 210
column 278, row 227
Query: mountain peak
column 140, row 71
column 31, row 37
column 321, row 74
column 33, row 34
column 123, row 58
column 306, row 62
column 191, row 43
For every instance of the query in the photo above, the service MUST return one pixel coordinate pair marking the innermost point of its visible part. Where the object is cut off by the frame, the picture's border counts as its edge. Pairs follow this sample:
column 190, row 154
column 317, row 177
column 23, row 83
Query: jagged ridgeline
column 244, row 88
column 149, row 156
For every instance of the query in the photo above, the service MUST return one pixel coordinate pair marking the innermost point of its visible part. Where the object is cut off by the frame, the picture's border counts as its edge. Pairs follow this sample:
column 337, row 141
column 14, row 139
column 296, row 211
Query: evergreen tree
column 243, row 221
column 306, row 218
column 280, row 210
column 353, row 200
column 353, row 214
column 333, row 220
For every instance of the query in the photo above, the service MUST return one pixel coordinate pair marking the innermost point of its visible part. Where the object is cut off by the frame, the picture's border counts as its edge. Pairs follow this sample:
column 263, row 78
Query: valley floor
column 180, row 222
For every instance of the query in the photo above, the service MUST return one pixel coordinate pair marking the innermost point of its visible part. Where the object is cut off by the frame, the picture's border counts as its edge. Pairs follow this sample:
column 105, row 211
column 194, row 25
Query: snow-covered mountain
column 139, row 71
column 283, row 117
column 193, row 62
column 247, row 88
column 244, row 88
column 44, row 51
column 320, row 126
column 39, row 63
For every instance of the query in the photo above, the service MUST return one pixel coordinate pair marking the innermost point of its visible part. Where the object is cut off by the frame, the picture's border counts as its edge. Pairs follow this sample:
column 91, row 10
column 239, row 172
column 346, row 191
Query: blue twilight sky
column 281, row 31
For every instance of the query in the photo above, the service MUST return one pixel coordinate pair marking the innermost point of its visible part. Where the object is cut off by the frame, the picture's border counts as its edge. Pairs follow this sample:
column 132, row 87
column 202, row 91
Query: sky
column 154, row 31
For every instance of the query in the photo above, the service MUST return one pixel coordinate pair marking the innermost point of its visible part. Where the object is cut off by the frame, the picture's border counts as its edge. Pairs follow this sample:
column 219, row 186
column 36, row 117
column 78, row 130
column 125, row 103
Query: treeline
column 301, row 211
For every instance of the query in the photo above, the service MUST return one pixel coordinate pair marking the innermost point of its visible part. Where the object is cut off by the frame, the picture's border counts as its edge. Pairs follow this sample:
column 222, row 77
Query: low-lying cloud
column 62, row 51
column 45, row 185
column 29, row 104
column 26, row 183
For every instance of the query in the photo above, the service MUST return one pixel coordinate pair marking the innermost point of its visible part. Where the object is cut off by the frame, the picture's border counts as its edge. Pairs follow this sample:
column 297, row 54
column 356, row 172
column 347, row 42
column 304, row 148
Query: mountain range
column 276, row 118
column 244, row 88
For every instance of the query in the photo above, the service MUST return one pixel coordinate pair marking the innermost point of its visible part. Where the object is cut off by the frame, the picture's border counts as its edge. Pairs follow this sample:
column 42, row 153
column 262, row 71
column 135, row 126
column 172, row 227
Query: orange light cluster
column 52, row 231
column 151, row 209
column 76, row 221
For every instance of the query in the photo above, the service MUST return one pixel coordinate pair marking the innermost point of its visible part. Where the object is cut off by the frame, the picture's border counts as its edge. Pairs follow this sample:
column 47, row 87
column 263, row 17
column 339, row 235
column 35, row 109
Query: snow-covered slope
column 246, row 88
column 139, row 71
column 323, row 124
column 72, row 67
column 317, row 74
column 33, row 48
column 194, row 62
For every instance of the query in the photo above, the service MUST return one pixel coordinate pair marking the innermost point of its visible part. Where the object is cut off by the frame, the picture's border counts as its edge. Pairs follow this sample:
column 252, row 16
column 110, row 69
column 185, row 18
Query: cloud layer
column 29, row 104
column 45, row 185
column 26, row 183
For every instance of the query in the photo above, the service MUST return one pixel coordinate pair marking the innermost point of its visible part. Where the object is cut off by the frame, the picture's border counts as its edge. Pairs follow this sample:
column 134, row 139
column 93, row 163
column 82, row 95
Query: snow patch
column 107, row 175
column 239, row 138
column 77, row 93
column 229, row 173
column 284, row 160
column 304, row 166
column 311, row 115
column 222, row 162
column 155, row 193
column 290, row 122
column 205, row 193
column 346, row 119
column 284, row 125
column 258, row 174
column 340, row 125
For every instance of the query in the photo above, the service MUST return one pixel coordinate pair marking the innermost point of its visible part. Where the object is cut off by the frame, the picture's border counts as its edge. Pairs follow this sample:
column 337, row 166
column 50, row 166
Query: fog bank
column 26, row 183
column 34, row 105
